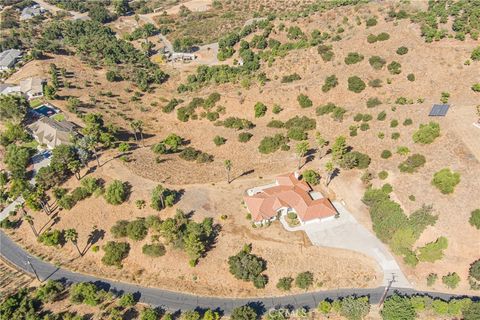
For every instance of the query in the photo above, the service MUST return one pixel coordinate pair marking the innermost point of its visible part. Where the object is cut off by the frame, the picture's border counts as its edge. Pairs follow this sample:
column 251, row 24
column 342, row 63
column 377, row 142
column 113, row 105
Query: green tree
column 474, row 219
column 115, row 252
column 285, row 283
column 72, row 236
column 433, row 251
column 330, row 169
column 356, row 84
column 13, row 108
column 16, row 160
column 49, row 291
column 339, row 149
column 127, row 300
column 260, row 109
column 301, row 150
column 451, row 280
column 244, row 313
column 355, row 308
column 122, row 7
column 397, row 307
column 137, row 126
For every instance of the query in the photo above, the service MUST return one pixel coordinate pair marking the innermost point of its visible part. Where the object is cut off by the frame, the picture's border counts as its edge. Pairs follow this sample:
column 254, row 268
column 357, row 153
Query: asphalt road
column 173, row 301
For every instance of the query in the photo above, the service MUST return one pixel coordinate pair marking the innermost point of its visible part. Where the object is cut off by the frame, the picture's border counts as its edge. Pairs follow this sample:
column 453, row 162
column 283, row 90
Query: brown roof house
column 52, row 133
column 287, row 194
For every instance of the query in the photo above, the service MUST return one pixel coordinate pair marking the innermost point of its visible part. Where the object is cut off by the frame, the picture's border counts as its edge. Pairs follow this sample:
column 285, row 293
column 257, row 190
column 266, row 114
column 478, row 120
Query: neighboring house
column 6, row 88
column 52, row 133
column 32, row 87
column 287, row 194
column 30, row 12
column 8, row 58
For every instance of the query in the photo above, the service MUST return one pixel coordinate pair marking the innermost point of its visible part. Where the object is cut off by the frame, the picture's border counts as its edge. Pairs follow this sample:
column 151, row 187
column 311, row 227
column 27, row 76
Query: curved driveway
column 170, row 300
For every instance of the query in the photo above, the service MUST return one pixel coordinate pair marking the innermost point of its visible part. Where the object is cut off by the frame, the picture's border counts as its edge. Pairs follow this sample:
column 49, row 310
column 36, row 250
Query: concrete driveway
column 346, row 233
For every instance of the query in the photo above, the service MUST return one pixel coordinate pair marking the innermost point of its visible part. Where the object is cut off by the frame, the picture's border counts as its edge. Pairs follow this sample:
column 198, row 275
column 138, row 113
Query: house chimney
column 296, row 174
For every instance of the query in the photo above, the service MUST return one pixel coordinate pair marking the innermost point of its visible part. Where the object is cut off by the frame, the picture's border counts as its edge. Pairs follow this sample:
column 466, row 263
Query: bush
column 371, row 38
column 381, row 116
column 49, row 292
column 170, row 106
column 431, row 279
column 285, row 283
column 433, row 251
column 51, row 238
column 87, row 293
column 475, row 54
column 219, row 140
column 244, row 313
column 304, row 101
column 115, row 252
column 373, row 102
column 412, row 163
column 411, row 77
column 475, row 219
column 244, row 136
column 245, row 265
column 330, row 83
column 427, row 133
column 394, row 67
column 137, row 229
column 127, row 300
column 375, row 83
column 383, row 175
column 116, row 192
column 325, row 52
column 398, row 307
column 356, row 84
column 119, row 229
column 305, row 123
column 407, row 122
column 402, row 50
column 371, row 22
column 297, row 134
column 236, row 123
column 304, row 280
column 275, row 124
column 290, row 78
column 276, row 109
column 377, row 62
column 353, row 57
column 394, row 123
column 383, row 36
column 311, row 176
column 386, row 154
column 446, row 180
column 451, row 280
column 260, row 109
column 354, row 308
column 272, row 144
column 153, row 250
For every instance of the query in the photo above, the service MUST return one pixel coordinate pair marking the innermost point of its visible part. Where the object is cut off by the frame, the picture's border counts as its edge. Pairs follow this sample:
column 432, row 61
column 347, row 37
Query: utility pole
column 390, row 282
column 33, row 269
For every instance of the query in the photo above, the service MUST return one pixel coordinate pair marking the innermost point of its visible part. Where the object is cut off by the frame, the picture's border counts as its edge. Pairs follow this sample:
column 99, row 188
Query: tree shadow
column 244, row 173
column 94, row 236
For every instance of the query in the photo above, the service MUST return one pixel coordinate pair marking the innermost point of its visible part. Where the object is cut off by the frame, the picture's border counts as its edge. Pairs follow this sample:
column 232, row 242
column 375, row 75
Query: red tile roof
column 291, row 193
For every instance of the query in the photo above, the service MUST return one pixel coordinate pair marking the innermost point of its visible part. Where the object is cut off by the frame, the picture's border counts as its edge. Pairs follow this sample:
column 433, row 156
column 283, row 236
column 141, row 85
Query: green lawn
column 59, row 117
column 35, row 103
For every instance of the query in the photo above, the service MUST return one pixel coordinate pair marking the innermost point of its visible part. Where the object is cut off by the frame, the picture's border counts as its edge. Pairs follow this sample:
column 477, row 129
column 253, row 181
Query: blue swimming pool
column 45, row 110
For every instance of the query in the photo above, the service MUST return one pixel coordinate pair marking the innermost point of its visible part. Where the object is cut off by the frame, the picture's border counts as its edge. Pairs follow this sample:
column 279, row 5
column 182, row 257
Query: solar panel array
column 439, row 110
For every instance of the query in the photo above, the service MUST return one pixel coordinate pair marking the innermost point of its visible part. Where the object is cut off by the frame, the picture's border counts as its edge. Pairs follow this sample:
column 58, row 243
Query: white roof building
column 30, row 12
column 52, row 133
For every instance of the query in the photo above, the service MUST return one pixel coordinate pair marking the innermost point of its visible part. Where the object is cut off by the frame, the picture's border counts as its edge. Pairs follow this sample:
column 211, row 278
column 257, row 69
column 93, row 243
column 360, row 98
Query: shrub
column 244, row 313
column 304, row 101
column 260, row 109
column 272, row 144
column 383, row 174
column 386, row 154
column 395, row 135
column 446, row 180
column 364, row 126
column 50, row 291
column 474, row 270
column 407, row 122
column 51, row 238
column 354, row 308
column 236, row 123
column 304, row 280
column 115, row 252
column 285, row 283
column 371, row 22
column 297, row 133
column 219, row 140
column 325, row 52
column 381, row 116
column 356, row 84
column 170, row 106
column 127, row 300
column 475, row 219
column 451, row 280
column 394, row 123
column 311, row 176
column 383, row 36
column 433, row 251
column 119, row 229
column 290, row 78
column 324, row 307
column 412, row 163
column 411, row 77
column 371, row 38
column 431, row 279
column 66, row 202
column 398, row 307
column 276, row 109
column 402, row 150
column 275, row 124
column 375, row 83
column 427, row 133
column 87, row 293
column 116, row 192
column 373, row 102
column 137, row 229
column 353, row 57
column 244, row 136
column 475, row 54
column 394, row 67
column 153, row 250
column 305, row 123
column 476, row 87
column 377, row 62
column 402, row 50
column 330, row 83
